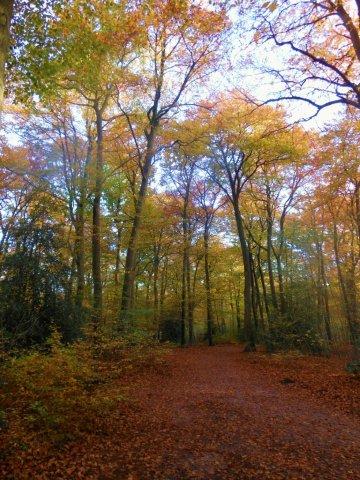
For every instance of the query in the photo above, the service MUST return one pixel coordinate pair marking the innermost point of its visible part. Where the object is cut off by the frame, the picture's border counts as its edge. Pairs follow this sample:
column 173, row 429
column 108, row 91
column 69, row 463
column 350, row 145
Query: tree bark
column 130, row 262
column 253, row 294
column 324, row 291
column 269, row 223
column 279, row 267
column 184, row 301
column 163, row 286
column 209, row 312
column 80, row 255
column 155, row 285
column 190, row 297
column 263, row 286
column 80, row 232
column 257, row 294
column 96, row 218
column 6, row 13
column 248, row 321
column 348, row 289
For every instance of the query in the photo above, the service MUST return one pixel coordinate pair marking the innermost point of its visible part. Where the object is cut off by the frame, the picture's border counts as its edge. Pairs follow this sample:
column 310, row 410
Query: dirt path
column 219, row 414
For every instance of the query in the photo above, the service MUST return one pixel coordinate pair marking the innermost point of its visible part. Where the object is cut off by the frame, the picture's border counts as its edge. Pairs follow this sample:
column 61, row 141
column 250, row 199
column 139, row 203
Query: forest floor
column 219, row 413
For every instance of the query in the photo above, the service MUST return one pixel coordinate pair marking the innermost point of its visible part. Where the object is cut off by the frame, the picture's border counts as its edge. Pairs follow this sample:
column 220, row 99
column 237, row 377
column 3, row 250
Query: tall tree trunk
column 324, row 291
column 80, row 230
column 70, row 285
column 257, row 294
column 269, row 223
column 232, row 309
column 209, row 312
column 280, row 268
column 130, row 262
column 117, row 255
column 184, row 301
column 238, row 314
column 163, row 286
column 349, row 296
column 190, row 298
column 80, row 254
column 253, row 293
column 119, row 229
column 96, row 232
column 263, row 286
column 148, row 286
column 248, row 321
column 185, row 288
column 155, row 285
column 6, row 12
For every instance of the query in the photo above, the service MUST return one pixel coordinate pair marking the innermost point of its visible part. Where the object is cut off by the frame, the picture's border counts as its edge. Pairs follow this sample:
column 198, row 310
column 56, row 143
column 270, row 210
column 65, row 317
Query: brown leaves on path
column 219, row 414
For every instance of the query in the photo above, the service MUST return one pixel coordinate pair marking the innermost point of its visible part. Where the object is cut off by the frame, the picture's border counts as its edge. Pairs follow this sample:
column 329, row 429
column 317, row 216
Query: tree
column 6, row 13
column 77, row 39
column 35, row 278
column 182, row 46
column 238, row 147
column 206, row 197
column 181, row 169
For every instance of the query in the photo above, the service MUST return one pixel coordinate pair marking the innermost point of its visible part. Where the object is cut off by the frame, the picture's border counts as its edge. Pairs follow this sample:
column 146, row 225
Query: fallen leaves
column 215, row 414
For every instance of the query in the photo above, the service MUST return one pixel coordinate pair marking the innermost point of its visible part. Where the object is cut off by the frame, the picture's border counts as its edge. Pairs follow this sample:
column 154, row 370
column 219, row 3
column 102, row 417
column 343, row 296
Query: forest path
column 218, row 413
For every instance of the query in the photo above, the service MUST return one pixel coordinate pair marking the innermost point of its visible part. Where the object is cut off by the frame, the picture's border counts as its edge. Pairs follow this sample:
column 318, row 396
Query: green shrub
column 34, row 287
column 353, row 367
column 50, row 392
column 62, row 391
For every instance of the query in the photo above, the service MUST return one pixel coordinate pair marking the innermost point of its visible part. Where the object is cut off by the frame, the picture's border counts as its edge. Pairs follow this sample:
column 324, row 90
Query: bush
column 353, row 367
column 68, row 391
column 288, row 334
column 33, row 287
column 52, row 393
column 298, row 329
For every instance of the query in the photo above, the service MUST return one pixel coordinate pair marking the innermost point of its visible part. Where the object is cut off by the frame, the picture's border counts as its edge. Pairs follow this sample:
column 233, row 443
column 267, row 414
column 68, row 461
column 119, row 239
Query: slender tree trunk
column 269, row 223
column 209, row 312
column 80, row 230
column 248, row 321
column 6, row 12
column 80, row 254
column 96, row 214
column 238, row 315
column 156, row 290
column 231, row 304
column 253, row 293
column 186, row 316
column 70, row 285
column 184, row 301
column 130, row 262
column 119, row 229
column 324, row 291
column 263, row 286
column 117, row 256
column 280, row 269
column 163, row 286
column 257, row 294
column 281, row 284
column 148, row 286
column 349, row 296
column 190, row 298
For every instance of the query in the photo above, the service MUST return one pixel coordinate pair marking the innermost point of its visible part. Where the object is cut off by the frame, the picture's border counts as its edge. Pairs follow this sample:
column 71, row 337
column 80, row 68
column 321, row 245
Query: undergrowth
column 61, row 393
